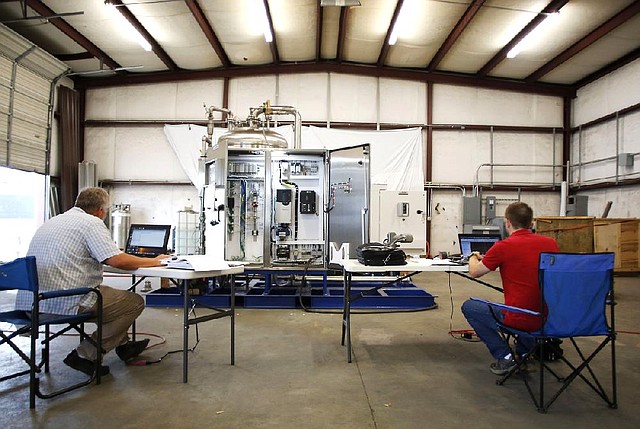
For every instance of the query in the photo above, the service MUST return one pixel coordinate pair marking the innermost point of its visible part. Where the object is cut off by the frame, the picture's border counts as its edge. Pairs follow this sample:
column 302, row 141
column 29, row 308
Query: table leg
column 233, row 319
column 185, row 334
column 346, row 314
column 133, row 325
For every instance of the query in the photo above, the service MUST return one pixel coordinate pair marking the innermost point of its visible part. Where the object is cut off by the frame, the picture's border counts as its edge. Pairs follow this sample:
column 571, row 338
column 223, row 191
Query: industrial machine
column 287, row 212
column 270, row 205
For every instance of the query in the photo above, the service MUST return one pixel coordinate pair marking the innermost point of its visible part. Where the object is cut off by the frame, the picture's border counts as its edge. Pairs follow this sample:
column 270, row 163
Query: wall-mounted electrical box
column 490, row 207
column 625, row 160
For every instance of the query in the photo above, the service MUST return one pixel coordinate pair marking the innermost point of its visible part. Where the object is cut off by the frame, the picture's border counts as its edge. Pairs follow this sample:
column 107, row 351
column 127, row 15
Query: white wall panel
column 353, row 98
column 594, row 153
column 447, row 209
column 155, row 204
column 192, row 96
column 624, row 199
column 146, row 101
column 457, row 155
column 613, row 92
column 99, row 147
column 100, row 104
column 467, row 105
column 630, row 133
column 403, row 101
column 306, row 92
column 132, row 154
column 250, row 92
column 135, row 144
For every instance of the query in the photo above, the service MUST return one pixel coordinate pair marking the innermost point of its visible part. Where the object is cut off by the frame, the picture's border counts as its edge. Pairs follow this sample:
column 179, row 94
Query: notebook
column 476, row 243
column 148, row 240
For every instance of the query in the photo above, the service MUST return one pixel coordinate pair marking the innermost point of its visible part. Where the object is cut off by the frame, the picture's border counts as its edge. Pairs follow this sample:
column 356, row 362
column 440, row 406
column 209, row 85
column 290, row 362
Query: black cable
column 309, row 310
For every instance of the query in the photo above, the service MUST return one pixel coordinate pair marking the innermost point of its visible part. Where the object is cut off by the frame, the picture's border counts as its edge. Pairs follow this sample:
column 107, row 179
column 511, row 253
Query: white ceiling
column 438, row 40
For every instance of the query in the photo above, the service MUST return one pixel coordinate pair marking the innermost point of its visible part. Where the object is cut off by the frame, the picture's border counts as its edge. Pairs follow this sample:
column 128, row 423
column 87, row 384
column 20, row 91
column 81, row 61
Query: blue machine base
column 406, row 297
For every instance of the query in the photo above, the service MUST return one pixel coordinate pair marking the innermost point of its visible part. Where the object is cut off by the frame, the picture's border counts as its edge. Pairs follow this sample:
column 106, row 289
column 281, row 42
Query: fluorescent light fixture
column 268, row 36
column 532, row 37
column 126, row 26
column 403, row 22
column 325, row 3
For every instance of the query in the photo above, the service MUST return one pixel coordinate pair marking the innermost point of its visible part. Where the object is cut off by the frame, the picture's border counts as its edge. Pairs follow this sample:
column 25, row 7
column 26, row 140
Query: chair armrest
column 67, row 292
column 507, row 307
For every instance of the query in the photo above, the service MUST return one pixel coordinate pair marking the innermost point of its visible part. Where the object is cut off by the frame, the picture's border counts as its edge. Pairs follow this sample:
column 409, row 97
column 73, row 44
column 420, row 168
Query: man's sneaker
column 84, row 365
column 502, row 366
column 131, row 349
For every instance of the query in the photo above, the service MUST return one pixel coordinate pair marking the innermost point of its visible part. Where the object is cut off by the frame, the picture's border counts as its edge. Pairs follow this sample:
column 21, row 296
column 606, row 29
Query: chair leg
column 45, row 348
column 33, row 380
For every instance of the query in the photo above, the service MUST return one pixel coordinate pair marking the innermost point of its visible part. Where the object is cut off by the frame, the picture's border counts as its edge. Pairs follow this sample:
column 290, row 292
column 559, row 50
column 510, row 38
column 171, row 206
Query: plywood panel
column 573, row 234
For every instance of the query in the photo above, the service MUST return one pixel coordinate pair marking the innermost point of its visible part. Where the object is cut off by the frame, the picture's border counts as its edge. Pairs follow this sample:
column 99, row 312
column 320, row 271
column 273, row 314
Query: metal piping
column 267, row 110
column 207, row 141
column 476, row 182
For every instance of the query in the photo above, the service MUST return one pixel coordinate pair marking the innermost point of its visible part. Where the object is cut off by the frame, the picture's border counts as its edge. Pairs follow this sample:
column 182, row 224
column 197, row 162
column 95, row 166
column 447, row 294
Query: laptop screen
column 148, row 240
column 476, row 243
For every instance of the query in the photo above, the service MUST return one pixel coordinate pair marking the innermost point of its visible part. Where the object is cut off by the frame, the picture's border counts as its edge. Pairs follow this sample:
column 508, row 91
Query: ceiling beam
column 462, row 24
column 273, row 45
column 342, row 33
column 619, row 19
column 331, row 67
column 155, row 46
column 620, row 62
column 552, row 7
column 73, row 34
column 319, row 23
column 385, row 45
column 206, row 28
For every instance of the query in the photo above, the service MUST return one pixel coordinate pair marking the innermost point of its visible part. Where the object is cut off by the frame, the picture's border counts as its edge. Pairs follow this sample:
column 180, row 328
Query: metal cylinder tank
column 252, row 137
column 87, row 175
column 120, row 223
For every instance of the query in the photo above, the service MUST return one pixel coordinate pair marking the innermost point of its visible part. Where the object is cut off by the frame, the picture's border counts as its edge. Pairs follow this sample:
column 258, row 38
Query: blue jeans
column 482, row 320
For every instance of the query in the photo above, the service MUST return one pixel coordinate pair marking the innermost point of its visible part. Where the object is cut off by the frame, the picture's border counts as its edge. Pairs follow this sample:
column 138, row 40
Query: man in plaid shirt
column 70, row 251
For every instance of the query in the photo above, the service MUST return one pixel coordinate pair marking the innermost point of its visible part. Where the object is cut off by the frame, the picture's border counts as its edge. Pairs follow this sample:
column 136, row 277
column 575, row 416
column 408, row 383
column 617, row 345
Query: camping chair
column 575, row 291
column 21, row 274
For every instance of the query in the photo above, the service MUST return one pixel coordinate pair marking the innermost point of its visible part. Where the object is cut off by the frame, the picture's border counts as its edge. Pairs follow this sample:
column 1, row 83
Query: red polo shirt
column 517, row 256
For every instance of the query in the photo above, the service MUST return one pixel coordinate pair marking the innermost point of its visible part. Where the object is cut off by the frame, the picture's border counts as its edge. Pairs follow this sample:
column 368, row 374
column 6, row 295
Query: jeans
column 483, row 321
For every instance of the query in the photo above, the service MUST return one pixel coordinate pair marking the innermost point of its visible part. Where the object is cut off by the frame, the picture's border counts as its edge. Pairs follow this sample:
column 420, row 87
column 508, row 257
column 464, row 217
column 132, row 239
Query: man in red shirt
column 517, row 257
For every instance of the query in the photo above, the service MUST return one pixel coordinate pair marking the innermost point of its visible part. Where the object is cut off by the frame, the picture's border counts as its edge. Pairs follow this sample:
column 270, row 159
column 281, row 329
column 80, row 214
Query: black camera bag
column 377, row 254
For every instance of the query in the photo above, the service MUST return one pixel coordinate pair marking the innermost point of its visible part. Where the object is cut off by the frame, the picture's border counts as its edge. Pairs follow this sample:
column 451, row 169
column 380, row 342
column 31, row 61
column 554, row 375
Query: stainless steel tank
column 120, row 223
column 251, row 137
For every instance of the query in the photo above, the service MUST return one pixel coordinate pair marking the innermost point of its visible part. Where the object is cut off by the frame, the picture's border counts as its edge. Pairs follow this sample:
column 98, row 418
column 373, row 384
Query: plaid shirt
column 69, row 249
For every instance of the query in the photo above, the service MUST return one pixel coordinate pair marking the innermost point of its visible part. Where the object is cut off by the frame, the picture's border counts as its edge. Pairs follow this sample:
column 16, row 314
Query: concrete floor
column 291, row 372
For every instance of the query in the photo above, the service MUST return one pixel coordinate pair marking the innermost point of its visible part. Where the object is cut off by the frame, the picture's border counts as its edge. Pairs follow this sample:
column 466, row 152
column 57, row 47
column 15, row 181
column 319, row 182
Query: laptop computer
column 148, row 240
column 470, row 243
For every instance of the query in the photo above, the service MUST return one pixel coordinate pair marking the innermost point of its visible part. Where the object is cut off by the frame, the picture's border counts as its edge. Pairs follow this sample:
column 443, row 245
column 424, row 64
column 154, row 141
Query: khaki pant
column 120, row 308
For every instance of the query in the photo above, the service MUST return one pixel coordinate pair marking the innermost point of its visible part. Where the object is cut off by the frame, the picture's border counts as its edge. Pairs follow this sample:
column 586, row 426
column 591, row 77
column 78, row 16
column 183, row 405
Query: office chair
column 575, row 290
column 21, row 274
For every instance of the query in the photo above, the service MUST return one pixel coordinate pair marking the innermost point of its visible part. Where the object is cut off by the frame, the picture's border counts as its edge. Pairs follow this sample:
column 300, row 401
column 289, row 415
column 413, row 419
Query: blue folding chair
column 575, row 290
column 21, row 274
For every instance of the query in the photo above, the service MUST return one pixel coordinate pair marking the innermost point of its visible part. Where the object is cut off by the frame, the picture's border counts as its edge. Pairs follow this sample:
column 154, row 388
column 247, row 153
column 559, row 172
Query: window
column 22, row 210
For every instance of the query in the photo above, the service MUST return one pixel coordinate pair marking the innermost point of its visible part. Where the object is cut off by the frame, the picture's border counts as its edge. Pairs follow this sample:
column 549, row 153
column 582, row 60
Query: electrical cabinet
column 272, row 207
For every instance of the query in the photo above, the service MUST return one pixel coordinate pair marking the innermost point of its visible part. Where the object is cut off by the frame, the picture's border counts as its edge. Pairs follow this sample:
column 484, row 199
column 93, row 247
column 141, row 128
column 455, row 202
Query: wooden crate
column 573, row 234
column 622, row 237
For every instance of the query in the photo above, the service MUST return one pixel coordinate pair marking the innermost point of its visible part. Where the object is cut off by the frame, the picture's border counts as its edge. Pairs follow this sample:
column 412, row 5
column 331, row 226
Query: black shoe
column 83, row 365
column 131, row 349
column 502, row 366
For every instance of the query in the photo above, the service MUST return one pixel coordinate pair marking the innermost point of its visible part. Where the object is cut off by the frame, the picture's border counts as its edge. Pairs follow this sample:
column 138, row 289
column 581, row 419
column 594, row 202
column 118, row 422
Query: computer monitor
column 476, row 243
column 148, row 240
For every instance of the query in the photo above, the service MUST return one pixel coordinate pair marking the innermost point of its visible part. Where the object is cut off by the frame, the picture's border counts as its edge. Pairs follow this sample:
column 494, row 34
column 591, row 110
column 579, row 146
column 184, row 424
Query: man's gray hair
column 92, row 199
